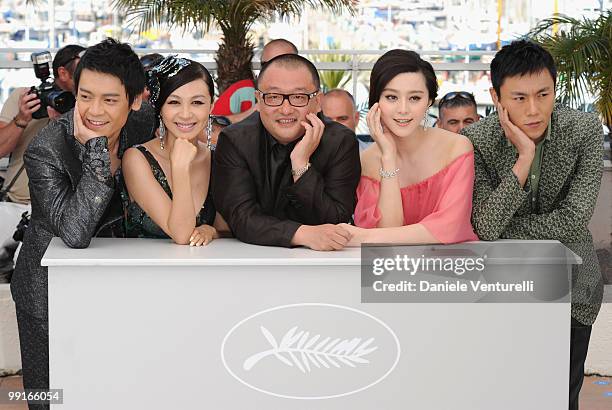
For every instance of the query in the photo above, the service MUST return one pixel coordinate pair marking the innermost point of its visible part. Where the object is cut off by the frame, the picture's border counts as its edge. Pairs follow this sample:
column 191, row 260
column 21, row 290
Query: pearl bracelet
column 388, row 174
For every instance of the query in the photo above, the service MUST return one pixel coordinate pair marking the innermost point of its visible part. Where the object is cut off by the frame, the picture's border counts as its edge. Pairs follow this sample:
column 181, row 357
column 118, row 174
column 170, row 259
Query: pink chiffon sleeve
column 367, row 213
column 451, row 220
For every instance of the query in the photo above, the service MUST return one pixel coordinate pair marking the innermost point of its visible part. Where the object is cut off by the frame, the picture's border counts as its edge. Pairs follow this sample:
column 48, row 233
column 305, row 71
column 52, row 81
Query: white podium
column 147, row 324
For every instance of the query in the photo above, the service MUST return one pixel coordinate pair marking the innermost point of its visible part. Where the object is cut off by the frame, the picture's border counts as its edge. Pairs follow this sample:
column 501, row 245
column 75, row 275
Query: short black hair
column 519, row 58
column 292, row 61
column 117, row 59
column 66, row 57
column 395, row 62
column 189, row 73
column 149, row 60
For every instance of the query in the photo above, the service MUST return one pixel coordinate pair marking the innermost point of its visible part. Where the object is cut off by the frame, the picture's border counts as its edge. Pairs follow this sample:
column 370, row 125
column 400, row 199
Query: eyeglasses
column 295, row 100
column 456, row 94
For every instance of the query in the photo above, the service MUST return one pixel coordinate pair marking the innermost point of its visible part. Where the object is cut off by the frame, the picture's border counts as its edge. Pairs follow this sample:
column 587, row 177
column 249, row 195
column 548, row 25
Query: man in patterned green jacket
column 538, row 173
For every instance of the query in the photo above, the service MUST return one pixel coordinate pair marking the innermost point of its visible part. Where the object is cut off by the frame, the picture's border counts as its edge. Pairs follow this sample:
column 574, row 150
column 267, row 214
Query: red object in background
column 237, row 98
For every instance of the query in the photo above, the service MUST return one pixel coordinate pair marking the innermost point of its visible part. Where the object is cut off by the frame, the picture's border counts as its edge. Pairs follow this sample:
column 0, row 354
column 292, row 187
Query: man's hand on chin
column 301, row 153
column 523, row 144
column 326, row 237
column 81, row 132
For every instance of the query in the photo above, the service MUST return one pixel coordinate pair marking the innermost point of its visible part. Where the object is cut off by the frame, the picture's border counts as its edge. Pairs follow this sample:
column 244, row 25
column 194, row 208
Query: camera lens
column 61, row 101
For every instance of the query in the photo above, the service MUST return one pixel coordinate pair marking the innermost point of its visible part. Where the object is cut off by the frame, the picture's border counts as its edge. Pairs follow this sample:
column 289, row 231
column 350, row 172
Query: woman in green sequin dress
column 168, row 179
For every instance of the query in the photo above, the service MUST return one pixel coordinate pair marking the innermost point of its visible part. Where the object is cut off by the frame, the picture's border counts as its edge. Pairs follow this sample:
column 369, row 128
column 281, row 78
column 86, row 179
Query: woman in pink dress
column 416, row 183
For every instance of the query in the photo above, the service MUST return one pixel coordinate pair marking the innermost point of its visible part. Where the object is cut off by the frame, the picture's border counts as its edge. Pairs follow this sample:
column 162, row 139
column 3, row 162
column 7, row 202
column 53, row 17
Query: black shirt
column 277, row 157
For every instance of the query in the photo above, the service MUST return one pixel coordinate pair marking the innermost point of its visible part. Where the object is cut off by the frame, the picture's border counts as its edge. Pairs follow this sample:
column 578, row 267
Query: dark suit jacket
column 69, row 198
column 324, row 194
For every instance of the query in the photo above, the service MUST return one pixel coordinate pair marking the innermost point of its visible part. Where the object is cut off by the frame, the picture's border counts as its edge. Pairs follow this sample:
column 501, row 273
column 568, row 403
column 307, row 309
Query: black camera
column 47, row 92
column 21, row 227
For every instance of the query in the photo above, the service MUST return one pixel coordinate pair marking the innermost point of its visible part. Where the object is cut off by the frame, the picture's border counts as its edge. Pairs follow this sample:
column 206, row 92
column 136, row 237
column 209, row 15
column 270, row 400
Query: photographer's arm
column 10, row 134
column 15, row 116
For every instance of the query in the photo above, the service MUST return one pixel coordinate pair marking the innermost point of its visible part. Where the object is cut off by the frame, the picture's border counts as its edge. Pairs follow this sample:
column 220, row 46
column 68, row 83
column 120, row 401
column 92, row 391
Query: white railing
column 361, row 60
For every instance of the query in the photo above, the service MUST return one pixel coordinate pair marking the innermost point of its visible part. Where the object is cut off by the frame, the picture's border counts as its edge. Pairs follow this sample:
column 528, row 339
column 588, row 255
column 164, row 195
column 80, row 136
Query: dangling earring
column 209, row 132
column 162, row 133
column 426, row 120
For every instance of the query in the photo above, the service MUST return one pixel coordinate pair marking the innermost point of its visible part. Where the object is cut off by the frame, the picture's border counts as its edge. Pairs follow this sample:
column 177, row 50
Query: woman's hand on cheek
column 383, row 138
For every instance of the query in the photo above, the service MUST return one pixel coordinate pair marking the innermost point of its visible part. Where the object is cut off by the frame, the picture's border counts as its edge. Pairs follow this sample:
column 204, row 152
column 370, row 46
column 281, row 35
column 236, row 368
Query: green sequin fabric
column 140, row 225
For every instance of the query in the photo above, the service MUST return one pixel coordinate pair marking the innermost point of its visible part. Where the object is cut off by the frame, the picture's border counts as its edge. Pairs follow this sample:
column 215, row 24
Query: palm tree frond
column 285, row 8
column 582, row 50
column 234, row 17
column 153, row 13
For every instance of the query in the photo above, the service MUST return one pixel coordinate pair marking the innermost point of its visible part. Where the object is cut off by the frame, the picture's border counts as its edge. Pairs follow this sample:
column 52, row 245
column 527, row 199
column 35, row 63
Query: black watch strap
column 18, row 124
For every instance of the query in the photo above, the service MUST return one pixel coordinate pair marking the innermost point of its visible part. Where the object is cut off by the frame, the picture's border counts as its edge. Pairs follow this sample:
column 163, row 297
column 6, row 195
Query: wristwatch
column 19, row 125
column 300, row 171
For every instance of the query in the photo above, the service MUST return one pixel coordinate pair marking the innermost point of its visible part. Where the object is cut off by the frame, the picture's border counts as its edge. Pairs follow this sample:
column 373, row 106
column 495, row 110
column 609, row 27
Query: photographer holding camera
column 17, row 129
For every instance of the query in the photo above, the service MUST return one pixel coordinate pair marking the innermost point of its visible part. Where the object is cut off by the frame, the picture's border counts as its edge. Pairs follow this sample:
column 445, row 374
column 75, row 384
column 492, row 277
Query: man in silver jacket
column 75, row 185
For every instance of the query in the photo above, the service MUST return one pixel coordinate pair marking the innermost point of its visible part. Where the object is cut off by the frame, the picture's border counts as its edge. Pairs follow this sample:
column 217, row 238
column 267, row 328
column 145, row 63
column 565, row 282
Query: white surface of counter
column 237, row 326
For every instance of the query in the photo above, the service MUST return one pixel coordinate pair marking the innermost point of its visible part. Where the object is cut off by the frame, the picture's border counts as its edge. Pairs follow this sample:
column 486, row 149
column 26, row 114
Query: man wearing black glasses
column 284, row 176
column 457, row 110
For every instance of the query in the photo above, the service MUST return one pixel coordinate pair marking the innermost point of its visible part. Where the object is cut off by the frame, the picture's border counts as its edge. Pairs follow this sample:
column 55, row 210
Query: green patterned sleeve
column 494, row 203
column 568, row 221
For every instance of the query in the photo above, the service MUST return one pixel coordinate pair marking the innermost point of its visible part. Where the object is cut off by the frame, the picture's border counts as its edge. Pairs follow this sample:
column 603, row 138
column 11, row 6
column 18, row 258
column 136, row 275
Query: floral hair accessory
column 166, row 68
